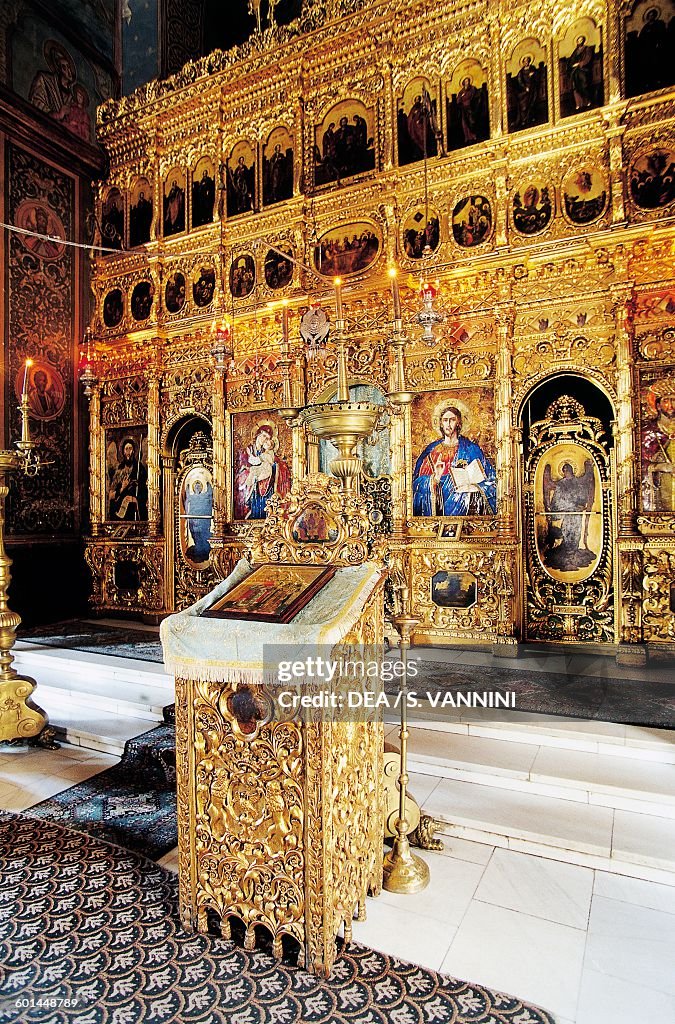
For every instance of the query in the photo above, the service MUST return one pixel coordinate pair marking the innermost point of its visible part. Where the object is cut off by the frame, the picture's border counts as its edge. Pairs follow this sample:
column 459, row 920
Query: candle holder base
column 21, row 721
column 400, row 397
column 289, row 413
column 45, row 740
column 403, row 871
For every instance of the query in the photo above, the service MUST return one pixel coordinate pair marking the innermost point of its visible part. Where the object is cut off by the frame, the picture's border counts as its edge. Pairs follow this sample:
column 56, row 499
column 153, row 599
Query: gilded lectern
column 280, row 819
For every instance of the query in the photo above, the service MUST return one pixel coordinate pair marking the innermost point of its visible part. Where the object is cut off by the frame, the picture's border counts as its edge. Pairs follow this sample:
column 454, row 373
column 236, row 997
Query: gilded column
column 501, row 197
column 505, row 561
column 496, row 76
column 399, row 469
column 389, row 101
column 96, row 472
column 623, row 297
column 154, row 475
column 629, row 589
column 220, row 461
column 615, row 132
column 158, row 194
column 299, row 400
column 614, row 29
column 505, row 456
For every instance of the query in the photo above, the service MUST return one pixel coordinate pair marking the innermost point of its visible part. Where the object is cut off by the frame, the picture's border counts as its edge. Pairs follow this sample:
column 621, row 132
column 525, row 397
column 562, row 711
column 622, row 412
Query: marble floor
column 591, row 947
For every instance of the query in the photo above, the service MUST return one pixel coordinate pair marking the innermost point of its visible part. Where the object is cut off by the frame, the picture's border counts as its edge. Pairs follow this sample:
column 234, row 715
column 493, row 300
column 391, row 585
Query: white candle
column 338, row 297
column 24, row 393
column 285, row 321
column 395, row 293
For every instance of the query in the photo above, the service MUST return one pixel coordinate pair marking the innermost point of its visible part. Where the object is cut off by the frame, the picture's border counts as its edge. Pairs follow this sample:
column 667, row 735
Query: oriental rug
column 133, row 803
column 79, row 635
column 573, row 695
column 90, row 934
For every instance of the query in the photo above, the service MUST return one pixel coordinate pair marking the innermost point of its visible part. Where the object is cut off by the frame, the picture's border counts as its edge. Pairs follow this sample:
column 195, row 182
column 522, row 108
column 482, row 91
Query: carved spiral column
column 157, row 192
column 154, row 476
column 614, row 30
column 497, row 76
column 505, row 461
column 501, row 196
column 390, row 107
column 615, row 133
column 96, row 477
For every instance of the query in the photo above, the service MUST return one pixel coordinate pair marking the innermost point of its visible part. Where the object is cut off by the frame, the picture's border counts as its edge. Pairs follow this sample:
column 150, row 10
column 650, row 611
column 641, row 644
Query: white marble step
column 91, row 727
column 571, row 775
column 96, row 701
column 123, row 685
column 640, row 845
column 594, row 737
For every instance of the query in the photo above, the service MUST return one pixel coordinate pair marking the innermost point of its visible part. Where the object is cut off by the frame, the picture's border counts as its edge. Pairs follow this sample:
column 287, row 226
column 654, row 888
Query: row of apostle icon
column 190, row 201
column 345, row 141
column 353, row 248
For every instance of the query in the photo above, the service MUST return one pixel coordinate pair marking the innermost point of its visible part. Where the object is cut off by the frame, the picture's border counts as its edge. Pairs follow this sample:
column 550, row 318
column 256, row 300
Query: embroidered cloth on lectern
column 232, row 649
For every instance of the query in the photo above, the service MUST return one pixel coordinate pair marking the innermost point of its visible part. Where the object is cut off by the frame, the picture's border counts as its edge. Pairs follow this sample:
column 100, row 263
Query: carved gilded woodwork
column 569, row 517
column 485, row 621
column 126, row 575
column 292, row 841
column 347, row 526
column 659, row 596
column 592, row 299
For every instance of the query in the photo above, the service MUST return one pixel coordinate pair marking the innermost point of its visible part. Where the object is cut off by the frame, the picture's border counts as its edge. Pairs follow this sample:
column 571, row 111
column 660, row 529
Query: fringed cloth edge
column 302, row 631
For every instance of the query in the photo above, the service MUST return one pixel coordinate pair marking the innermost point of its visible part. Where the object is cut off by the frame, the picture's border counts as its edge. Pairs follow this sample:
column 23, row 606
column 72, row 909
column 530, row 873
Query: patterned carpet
column 89, row 934
column 605, row 699
column 77, row 635
column 133, row 803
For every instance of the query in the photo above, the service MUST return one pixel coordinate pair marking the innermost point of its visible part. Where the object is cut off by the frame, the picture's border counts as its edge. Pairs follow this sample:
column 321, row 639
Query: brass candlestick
column 404, row 872
column 343, row 422
column 20, row 719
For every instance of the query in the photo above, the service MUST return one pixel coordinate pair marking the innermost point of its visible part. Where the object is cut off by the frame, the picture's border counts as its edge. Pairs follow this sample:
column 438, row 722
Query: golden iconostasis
column 517, row 169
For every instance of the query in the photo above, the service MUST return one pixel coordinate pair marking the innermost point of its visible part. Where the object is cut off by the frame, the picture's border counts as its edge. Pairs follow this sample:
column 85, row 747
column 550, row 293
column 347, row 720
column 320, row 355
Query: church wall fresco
column 39, row 310
column 92, row 18
column 48, row 71
column 529, row 278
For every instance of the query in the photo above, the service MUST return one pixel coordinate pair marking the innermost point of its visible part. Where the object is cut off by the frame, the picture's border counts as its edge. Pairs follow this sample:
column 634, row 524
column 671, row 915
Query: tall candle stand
column 343, row 422
column 398, row 392
column 21, row 721
column 404, row 872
